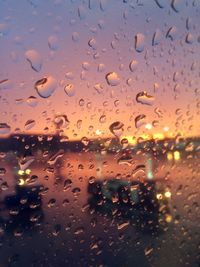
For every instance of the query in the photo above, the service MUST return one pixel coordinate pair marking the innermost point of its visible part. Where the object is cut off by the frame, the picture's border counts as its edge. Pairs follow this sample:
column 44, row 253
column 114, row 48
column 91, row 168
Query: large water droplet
column 32, row 101
column 172, row 33
column 112, row 78
column 61, row 121
column 92, row 43
column 34, row 59
column 25, row 162
column 69, row 89
column 189, row 38
column 53, row 159
column 116, row 128
column 29, row 124
column 139, row 42
column 144, row 98
column 177, row 5
column 98, row 87
column 133, row 65
column 139, row 171
column 4, row 128
column 161, row 3
column 5, row 84
column 140, row 120
column 46, row 86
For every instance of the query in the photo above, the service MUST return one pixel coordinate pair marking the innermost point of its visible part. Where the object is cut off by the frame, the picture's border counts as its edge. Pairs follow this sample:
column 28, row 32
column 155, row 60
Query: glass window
column 99, row 133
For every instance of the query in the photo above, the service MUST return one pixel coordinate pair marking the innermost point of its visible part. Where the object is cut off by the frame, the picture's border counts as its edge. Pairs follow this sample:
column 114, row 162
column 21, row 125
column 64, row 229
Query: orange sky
column 77, row 45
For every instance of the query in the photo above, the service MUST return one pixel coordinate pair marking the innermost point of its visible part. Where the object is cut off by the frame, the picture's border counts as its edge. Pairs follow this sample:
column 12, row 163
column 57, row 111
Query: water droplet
column 4, row 186
column 32, row 101
column 35, row 59
column 81, row 12
column 133, row 65
column 2, row 171
column 112, row 78
column 148, row 251
column 92, row 43
column 123, row 225
column 67, row 184
column 51, row 203
column 103, row 4
column 139, row 42
column 76, row 191
column 86, row 66
column 177, row 5
column 4, row 128
column 4, row 29
column 69, row 89
column 98, row 87
column 53, row 159
column 5, row 84
column 79, row 124
column 29, row 125
column 172, row 33
column 138, row 171
column 125, row 160
column 140, row 120
column 79, row 231
column 25, row 163
column 116, row 128
column 189, row 23
column 75, row 36
column 85, row 141
column 189, row 38
column 156, row 38
column 158, row 112
column 161, row 3
column 18, row 233
column 144, row 98
column 46, row 86
column 53, row 42
column 61, row 121
column 81, row 102
column 65, row 202
column 102, row 119
column 101, row 67
column 56, row 230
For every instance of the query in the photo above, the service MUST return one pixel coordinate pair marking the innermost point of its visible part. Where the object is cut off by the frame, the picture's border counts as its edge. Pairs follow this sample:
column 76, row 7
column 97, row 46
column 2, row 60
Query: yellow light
column 158, row 136
column 21, row 182
column 168, row 194
column 159, row 196
column 131, row 139
column 168, row 218
column 169, row 156
column 177, row 155
column 148, row 126
column 20, row 172
column 145, row 136
column 166, row 129
column 98, row 132
column 27, row 171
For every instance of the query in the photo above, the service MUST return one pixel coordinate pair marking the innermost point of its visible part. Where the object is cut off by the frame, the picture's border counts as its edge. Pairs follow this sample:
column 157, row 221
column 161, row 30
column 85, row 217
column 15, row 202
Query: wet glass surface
column 99, row 133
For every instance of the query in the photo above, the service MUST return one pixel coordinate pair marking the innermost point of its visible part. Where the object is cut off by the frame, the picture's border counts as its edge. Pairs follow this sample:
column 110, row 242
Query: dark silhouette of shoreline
column 28, row 144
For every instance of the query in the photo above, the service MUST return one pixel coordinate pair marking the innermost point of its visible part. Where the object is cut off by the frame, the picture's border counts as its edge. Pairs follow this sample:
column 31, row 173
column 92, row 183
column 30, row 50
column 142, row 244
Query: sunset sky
column 146, row 45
